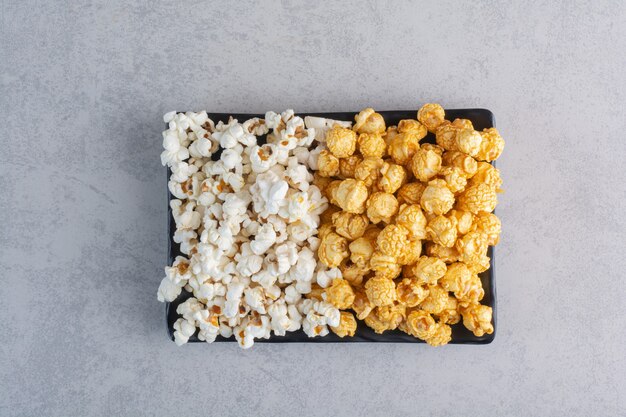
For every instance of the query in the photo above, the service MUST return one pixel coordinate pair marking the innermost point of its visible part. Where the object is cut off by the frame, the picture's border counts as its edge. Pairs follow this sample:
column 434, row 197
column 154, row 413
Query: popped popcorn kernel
column 412, row 218
column 437, row 198
column 436, row 301
column 420, row 324
column 468, row 141
column 410, row 292
column 454, row 178
column 361, row 305
column 391, row 315
column 350, row 225
column 442, row 230
column 361, row 251
column 385, row 266
column 347, row 325
column 368, row 170
column 380, row 291
column 411, row 125
column 328, row 164
column 372, row 145
column 392, row 240
column 333, row 249
column 403, row 146
column 477, row 319
column 347, row 166
column 340, row 294
column 489, row 224
column 464, row 162
column 428, row 270
column 491, row 146
column 351, row 195
column 464, row 220
column 392, row 177
column 425, row 164
column 431, row 115
column 456, row 278
column 486, row 174
column 381, row 207
column 411, row 193
column 445, row 135
column 368, row 121
column 478, row 198
column 441, row 335
column 341, row 142
column 447, row 255
column 472, row 247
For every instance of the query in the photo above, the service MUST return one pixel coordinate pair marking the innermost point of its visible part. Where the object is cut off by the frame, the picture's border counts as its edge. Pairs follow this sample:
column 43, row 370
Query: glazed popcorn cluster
column 409, row 224
column 247, row 225
column 288, row 223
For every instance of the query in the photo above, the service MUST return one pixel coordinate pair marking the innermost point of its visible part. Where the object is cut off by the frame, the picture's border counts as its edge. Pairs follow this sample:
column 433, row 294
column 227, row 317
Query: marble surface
column 83, row 86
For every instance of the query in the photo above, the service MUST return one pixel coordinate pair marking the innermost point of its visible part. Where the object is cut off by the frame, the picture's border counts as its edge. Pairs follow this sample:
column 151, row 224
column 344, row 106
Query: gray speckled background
column 83, row 86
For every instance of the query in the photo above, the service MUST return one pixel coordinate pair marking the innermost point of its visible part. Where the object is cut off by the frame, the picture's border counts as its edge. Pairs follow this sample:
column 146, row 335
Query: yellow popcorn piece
column 477, row 319
column 392, row 176
column 347, row 166
column 347, row 325
column 391, row 315
column 411, row 125
column 403, row 146
column 341, row 141
column 437, row 198
column 445, row 135
column 487, row 174
column 473, row 247
column 464, row 162
column 491, row 146
column 428, row 270
column 368, row 170
column 489, row 224
column 436, row 301
column 468, row 141
column 351, row 195
column 368, row 121
column 333, row 249
column 327, row 164
column 412, row 218
column 361, row 251
column 464, row 220
column 454, row 178
column 340, row 294
column 372, row 145
column 380, row 291
column 457, row 278
column 425, row 164
column 361, row 305
column 431, row 115
column 478, row 197
column 392, row 240
column 420, row 324
column 442, row 230
column 350, row 225
column 410, row 292
column 381, row 207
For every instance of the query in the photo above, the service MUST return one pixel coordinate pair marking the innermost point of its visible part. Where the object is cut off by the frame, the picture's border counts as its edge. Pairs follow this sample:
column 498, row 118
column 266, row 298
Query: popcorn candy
column 381, row 207
column 391, row 315
column 411, row 193
column 436, row 301
column 428, row 270
column 361, row 251
column 368, row 121
column 351, row 195
column 420, row 324
column 350, row 225
column 447, row 255
column 468, row 141
column 454, row 178
column 353, row 273
column 410, row 125
column 403, row 146
column 361, row 305
column 385, row 266
column 371, row 145
column 487, row 174
column 464, row 220
column 442, row 230
column 340, row 294
column 341, row 142
column 446, row 135
column 412, row 218
column 380, row 291
column 347, row 325
column 347, row 166
column 491, row 145
column 489, row 224
column 410, row 292
column 437, row 198
column 441, row 335
column 411, row 253
column 456, row 278
column 465, row 163
column 450, row 314
column 368, row 170
column 333, row 249
column 477, row 319
column 392, row 177
column 431, row 115
column 425, row 164
column 328, row 164
column 392, row 240
column 472, row 247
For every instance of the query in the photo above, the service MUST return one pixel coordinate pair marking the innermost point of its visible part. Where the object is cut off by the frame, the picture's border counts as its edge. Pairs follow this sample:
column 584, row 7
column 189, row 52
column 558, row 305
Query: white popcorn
column 183, row 330
column 248, row 223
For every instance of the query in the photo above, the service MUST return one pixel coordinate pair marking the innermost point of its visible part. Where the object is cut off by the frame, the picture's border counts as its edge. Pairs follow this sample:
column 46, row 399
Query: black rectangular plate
column 481, row 118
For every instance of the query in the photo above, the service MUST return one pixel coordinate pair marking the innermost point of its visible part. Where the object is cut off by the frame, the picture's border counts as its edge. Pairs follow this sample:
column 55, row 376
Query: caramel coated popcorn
column 347, row 325
column 410, row 224
column 340, row 294
column 341, row 141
